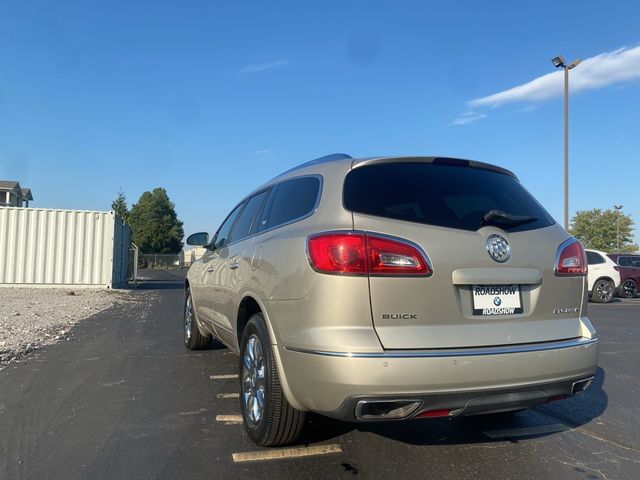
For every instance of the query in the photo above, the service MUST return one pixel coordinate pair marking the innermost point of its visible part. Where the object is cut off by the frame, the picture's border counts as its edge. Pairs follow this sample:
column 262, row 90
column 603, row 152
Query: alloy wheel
column 253, row 380
column 630, row 288
column 604, row 291
column 188, row 319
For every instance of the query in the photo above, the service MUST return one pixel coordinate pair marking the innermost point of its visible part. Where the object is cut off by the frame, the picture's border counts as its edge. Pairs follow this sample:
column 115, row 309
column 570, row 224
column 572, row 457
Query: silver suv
column 390, row 289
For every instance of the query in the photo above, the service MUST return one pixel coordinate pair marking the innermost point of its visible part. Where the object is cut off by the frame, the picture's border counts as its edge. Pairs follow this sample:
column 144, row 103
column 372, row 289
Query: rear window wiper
column 503, row 219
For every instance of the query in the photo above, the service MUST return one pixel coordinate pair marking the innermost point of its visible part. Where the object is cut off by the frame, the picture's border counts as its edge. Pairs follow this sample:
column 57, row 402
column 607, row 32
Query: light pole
column 617, row 208
column 559, row 62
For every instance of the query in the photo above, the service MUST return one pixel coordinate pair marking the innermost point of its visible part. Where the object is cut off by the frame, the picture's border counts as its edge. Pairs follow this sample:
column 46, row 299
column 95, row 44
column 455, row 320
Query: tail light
column 359, row 253
column 571, row 259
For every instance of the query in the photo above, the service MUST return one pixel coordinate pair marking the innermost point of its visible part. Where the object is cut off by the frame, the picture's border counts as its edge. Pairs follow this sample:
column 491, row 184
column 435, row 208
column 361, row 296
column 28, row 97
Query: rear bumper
column 467, row 381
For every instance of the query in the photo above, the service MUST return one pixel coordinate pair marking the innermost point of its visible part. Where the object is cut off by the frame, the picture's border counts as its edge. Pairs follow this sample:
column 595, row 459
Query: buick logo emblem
column 498, row 248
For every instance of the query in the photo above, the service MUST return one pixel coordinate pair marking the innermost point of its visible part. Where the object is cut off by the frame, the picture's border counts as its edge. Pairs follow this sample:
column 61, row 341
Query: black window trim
column 273, row 189
column 246, row 202
column 212, row 244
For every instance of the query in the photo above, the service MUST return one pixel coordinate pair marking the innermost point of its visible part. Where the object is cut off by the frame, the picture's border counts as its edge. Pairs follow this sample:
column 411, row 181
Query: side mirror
column 198, row 239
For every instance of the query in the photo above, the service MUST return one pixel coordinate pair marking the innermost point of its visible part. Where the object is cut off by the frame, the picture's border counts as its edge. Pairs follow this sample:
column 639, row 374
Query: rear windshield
column 441, row 195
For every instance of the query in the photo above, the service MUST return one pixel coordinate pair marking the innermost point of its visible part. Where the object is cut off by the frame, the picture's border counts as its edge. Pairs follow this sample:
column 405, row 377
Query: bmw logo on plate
column 498, row 248
column 497, row 301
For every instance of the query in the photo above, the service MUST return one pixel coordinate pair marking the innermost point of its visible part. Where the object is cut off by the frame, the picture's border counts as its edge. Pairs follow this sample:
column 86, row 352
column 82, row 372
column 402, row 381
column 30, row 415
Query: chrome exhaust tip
column 581, row 386
column 386, row 409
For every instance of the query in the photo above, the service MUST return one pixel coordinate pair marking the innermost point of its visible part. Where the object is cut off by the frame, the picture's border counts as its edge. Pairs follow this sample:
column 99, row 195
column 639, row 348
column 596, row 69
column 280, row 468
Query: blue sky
column 209, row 99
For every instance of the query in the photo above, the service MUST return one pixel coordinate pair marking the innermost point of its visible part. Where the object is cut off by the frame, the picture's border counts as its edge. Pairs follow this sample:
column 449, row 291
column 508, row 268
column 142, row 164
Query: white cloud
column 528, row 108
column 257, row 68
column 467, row 117
column 610, row 68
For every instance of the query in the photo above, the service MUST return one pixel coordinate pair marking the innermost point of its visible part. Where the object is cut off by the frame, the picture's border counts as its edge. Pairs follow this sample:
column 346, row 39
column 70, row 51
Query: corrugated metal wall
column 44, row 247
column 121, row 247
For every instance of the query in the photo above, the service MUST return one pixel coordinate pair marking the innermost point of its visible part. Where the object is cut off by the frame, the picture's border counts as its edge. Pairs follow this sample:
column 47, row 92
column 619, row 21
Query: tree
column 601, row 229
column 154, row 223
column 119, row 205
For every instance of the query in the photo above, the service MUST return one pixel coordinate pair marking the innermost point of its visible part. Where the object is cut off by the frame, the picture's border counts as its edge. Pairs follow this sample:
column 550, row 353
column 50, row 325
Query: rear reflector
column 571, row 259
column 359, row 253
column 434, row 414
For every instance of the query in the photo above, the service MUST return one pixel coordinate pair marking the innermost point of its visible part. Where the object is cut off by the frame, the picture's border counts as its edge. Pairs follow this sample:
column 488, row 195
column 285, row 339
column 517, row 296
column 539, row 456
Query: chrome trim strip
column 459, row 352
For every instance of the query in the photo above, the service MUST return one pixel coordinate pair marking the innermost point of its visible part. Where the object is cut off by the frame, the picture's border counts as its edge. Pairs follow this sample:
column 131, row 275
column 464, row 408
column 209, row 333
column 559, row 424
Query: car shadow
column 540, row 421
column 215, row 344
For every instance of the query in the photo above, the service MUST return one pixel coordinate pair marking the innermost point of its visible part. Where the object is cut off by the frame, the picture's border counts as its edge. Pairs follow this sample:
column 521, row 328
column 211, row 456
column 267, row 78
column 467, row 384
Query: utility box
column 41, row 247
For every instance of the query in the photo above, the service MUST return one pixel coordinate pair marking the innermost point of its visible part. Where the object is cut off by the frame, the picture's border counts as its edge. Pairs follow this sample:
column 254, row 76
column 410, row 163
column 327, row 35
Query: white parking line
column 228, row 395
column 286, row 453
column 527, row 431
column 223, row 377
column 229, row 419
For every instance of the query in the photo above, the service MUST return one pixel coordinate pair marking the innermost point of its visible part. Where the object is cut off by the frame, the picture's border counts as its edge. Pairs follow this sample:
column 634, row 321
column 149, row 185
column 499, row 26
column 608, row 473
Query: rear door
column 470, row 299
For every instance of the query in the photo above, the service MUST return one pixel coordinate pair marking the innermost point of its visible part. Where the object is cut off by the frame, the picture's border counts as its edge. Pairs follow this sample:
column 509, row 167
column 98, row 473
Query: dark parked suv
column 629, row 273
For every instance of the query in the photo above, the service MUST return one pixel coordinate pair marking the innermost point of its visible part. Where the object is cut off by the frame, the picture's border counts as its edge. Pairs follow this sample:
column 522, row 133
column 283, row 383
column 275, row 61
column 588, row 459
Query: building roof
column 9, row 184
column 26, row 194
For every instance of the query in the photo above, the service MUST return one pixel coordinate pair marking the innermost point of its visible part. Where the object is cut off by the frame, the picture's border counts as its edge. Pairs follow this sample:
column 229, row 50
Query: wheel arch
column 604, row 277
column 250, row 305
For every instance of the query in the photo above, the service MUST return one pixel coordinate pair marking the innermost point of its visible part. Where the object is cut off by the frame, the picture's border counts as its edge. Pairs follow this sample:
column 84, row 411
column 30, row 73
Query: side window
column 222, row 235
column 594, row 258
column 245, row 221
column 293, row 199
column 633, row 262
column 260, row 222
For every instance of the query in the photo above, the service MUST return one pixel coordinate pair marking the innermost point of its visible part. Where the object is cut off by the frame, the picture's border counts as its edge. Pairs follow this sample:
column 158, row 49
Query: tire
column 602, row 291
column 273, row 421
column 628, row 289
column 193, row 338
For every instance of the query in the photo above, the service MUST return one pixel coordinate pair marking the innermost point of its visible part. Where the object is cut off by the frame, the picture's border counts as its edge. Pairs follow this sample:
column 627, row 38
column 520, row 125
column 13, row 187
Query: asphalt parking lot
column 123, row 399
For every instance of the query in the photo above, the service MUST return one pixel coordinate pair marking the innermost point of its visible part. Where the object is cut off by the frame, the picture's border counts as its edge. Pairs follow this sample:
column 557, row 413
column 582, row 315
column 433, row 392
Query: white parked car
column 603, row 278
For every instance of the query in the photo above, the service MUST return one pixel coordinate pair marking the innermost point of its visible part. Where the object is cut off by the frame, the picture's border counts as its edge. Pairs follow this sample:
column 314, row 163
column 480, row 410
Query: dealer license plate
column 496, row 300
